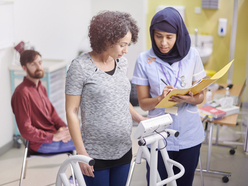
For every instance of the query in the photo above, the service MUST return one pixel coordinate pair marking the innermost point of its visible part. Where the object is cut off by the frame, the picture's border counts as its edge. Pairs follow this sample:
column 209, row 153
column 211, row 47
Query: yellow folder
column 204, row 83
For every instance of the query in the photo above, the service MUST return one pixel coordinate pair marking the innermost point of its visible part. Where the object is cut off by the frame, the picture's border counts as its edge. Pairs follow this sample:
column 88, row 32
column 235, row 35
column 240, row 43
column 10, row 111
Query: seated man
column 36, row 117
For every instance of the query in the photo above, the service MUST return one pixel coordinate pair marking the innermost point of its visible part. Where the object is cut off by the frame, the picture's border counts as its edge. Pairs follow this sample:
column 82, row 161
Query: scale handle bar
column 158, row 136
column 172, row 132
column 150, row 139
column 174, row 177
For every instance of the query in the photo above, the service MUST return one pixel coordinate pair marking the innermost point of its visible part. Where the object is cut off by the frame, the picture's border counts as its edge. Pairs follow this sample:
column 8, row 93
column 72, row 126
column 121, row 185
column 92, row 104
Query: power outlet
column 198, row 10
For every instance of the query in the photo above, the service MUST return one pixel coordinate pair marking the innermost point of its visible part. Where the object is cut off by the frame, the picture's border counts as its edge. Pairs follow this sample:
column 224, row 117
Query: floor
column 43, row 171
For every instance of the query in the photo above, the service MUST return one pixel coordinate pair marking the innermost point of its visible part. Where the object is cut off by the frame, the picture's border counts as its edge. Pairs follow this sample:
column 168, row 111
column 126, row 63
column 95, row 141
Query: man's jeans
column 55, row 147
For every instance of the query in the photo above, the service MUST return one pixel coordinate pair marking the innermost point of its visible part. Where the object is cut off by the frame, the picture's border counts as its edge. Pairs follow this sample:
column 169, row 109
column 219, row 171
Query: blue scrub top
column 148, row 72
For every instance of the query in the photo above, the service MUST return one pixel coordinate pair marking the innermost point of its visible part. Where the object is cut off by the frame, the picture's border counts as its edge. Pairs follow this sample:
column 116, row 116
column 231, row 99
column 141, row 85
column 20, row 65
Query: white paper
column 226, row 102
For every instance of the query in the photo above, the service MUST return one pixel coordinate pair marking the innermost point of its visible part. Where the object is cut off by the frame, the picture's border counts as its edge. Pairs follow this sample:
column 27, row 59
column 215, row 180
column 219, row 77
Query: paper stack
column 230, row 110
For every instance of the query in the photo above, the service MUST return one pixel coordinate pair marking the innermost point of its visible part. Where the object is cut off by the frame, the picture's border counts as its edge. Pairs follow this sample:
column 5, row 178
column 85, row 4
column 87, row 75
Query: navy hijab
column 169, row 20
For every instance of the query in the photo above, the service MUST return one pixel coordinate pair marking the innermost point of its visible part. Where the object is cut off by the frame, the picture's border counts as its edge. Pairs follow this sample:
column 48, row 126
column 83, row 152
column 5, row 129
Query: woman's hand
column 87, row 169
column 72, row 107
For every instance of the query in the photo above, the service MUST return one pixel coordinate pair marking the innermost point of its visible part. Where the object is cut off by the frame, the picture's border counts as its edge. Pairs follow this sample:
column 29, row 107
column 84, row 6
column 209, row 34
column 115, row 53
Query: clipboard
column 201, row 85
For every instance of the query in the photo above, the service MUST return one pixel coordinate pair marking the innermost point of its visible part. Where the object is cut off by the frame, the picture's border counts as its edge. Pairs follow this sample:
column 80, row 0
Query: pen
column 164, row 82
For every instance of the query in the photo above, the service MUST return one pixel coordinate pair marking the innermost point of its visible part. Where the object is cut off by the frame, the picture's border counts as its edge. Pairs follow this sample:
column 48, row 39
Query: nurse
column 172, row 63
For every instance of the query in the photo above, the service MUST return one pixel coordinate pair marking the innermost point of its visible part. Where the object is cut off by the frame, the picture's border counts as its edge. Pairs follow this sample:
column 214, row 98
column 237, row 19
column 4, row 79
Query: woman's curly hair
column 108, row 27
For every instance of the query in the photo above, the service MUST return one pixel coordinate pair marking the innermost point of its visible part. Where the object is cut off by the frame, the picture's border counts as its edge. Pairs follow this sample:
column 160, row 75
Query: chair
column 28, row 154
column 73, row 161
column 133, row 95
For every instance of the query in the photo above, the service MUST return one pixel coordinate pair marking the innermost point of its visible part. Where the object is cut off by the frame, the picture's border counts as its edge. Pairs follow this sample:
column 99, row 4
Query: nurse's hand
column 166, row 91
column 188, row 98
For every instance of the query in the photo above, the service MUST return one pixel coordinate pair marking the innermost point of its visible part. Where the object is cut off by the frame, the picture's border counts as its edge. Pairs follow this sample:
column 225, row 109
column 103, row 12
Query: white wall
column 138, row 10
column 6, row 58
column 57, row 29
column 6, row 119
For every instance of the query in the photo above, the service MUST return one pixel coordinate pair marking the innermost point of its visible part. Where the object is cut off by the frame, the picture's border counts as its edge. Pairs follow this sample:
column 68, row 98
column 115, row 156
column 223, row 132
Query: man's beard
column 36, row 74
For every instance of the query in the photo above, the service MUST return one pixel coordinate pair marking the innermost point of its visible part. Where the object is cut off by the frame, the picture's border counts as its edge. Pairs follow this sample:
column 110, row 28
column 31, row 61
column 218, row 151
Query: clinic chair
column 73, row 161
column 29, row 154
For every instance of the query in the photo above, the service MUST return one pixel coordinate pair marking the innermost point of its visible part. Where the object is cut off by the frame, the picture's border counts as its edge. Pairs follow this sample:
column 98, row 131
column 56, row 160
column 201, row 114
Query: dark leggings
column 109, row 177
column 187, row 157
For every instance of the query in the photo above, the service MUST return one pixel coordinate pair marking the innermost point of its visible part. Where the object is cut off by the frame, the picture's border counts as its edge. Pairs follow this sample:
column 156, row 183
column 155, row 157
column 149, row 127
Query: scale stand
column 155, row 138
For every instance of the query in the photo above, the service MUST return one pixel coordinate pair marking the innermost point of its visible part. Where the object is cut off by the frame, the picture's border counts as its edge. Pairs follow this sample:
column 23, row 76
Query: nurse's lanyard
column 179, row 65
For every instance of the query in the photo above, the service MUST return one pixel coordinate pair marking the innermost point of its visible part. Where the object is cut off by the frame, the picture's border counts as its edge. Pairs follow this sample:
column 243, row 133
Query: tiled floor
column 43, row 171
